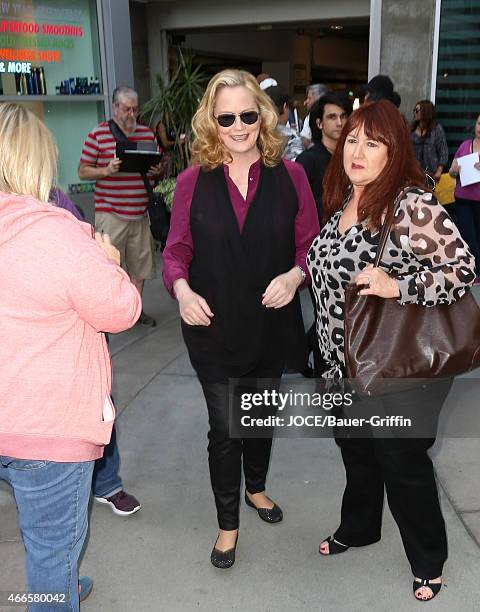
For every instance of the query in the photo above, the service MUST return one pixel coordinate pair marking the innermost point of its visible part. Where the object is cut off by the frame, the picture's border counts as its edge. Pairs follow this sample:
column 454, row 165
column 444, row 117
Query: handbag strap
column 117, row 133
column 385, row 231
column 120, row 136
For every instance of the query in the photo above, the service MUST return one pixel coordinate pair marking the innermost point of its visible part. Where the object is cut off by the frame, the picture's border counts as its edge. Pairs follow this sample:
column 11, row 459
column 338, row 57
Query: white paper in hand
column 468, row 173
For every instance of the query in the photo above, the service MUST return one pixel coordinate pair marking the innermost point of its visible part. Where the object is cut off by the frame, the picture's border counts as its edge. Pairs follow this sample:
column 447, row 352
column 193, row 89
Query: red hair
column 382, row 122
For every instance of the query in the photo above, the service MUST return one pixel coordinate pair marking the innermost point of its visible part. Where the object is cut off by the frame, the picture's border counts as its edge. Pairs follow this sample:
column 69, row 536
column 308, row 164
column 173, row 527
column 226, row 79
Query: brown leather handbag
column 389, row 346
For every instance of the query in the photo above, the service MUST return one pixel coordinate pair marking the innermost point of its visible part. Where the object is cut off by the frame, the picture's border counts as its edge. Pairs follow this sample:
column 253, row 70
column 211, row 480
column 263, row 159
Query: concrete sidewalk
column 158, row 559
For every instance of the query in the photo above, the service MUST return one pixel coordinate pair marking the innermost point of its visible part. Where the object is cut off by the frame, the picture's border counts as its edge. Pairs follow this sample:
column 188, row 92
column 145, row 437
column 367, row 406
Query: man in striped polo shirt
column 120, row 197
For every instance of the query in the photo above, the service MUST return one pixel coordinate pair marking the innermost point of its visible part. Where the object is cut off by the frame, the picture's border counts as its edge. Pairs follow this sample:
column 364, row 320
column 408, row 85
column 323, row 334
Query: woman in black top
column 242, row 221
column 425, row 262
column 167, row 138
column 429, row 140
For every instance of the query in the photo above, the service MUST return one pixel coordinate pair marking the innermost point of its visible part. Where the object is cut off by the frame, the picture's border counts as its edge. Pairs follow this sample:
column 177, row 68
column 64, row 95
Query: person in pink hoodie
column 62, row 288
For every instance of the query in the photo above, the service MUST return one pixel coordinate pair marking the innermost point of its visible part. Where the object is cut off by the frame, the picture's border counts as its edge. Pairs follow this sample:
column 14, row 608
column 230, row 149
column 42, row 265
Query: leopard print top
column 424, row 251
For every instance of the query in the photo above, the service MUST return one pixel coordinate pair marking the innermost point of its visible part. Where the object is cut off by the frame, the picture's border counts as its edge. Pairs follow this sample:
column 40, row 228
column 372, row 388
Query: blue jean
column 106, row 477
column 52, row 502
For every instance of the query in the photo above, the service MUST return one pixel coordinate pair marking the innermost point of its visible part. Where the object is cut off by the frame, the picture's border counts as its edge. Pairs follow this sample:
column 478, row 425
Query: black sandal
column 425, row 582
column 334, row 547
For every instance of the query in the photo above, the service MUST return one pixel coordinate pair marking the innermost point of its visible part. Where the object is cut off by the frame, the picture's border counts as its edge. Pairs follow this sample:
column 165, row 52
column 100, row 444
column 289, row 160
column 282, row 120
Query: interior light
column 336, row 27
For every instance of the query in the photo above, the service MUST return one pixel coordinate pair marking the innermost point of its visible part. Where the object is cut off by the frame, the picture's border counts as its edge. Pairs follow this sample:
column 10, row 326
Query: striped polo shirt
column 123, row 193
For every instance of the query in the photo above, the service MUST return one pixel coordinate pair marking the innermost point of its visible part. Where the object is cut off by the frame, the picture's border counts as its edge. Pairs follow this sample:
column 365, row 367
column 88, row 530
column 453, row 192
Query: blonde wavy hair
column 207, row 149
column 28, row 153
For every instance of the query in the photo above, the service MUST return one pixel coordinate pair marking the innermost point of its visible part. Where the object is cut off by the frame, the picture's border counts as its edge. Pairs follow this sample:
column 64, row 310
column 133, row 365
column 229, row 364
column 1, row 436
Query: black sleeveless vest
column 231, row 270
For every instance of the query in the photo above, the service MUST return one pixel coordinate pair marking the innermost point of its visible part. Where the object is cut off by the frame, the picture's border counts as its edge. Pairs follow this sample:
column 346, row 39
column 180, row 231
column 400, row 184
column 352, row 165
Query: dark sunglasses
column 228, row 119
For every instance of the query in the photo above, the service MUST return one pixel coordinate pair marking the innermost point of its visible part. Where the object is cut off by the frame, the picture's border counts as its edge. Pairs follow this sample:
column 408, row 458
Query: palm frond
column 175, row 103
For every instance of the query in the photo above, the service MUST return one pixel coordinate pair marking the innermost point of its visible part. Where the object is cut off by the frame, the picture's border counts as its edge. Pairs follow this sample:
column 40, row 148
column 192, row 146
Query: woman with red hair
column 425, row 262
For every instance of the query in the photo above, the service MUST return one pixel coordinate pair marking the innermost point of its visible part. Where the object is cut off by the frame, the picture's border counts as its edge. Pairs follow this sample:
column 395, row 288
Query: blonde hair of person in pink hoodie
column 28, row 153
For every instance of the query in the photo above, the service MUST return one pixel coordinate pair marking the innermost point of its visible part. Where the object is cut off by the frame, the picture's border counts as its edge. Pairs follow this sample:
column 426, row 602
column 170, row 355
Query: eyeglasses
column 417, row 109
column 228, row 119
column 128, row 109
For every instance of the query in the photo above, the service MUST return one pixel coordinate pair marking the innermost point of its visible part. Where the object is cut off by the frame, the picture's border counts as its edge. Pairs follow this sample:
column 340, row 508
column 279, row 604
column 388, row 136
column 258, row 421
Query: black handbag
column 158, row 211
column 389, row 345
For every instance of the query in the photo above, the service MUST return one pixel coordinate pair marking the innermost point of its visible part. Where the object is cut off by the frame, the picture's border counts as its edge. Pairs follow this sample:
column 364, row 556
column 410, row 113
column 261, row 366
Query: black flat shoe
column 424, row 582
column 269, row 515
column 223, row 559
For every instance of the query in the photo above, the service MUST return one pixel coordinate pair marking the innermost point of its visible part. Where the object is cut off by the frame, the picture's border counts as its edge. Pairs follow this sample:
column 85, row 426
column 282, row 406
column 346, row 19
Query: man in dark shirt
column 327, row 118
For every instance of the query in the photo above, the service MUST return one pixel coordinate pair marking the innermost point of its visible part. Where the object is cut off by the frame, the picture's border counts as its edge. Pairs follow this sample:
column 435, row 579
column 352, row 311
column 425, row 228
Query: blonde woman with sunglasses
column 242, row 222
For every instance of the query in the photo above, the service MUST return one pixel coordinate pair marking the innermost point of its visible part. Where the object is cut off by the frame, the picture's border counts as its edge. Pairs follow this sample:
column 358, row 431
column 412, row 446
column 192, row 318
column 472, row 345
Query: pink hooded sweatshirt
column 58, row 293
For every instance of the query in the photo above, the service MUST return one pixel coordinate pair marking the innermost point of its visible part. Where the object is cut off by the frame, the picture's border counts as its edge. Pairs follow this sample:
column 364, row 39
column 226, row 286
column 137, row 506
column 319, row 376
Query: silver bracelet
column 302, row 272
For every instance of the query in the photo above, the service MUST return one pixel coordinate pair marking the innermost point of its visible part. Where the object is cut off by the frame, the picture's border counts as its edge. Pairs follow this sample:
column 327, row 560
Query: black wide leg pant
column 225, row 454
column 402, row 467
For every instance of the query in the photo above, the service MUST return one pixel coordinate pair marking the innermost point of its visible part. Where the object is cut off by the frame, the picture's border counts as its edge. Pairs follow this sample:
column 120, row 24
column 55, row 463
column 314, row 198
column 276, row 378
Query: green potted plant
column 174, row 105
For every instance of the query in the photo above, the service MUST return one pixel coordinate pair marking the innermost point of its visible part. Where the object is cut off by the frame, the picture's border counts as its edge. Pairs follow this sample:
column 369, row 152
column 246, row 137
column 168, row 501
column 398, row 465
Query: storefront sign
column 47, row 29
column 16, row 67
column 49, row 55
column 29, row 55
column 26, row 38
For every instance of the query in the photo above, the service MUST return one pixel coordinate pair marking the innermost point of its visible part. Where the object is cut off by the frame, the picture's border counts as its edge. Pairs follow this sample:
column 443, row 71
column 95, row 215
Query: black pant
column 468, row 219
column 403, row 467
column 225, row 453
